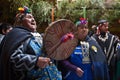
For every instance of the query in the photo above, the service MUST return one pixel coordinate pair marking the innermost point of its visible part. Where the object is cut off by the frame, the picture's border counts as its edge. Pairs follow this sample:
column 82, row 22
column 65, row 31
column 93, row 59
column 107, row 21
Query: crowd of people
column 22, row 55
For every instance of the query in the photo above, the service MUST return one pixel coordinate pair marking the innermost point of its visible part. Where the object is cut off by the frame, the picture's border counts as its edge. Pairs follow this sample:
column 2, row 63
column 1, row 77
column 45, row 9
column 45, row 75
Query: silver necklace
column 103, row 38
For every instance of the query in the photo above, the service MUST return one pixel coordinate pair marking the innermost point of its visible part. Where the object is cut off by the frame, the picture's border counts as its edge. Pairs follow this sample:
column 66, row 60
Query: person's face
column 8, row 30
column 104, row 27
column 29, row 22
column 82, row 32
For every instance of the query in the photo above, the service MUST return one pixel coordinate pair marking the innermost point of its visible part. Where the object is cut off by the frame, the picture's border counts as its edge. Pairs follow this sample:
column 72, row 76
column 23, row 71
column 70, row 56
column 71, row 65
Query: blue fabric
column 99, row 71
column 36, row 47
column 76, row 59
column 99, row 62
column 49, row 73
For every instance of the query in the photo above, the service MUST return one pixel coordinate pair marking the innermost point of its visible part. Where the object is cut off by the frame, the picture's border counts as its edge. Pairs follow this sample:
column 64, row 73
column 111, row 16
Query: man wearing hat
column 109, row 44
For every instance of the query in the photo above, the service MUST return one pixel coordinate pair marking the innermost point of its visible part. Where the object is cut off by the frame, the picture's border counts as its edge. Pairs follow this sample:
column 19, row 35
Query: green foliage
column 95, row 10
column 42, row 11
column 9, row 9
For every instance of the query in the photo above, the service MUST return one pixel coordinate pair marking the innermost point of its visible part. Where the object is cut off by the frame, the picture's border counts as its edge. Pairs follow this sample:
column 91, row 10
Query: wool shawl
column 9, row 44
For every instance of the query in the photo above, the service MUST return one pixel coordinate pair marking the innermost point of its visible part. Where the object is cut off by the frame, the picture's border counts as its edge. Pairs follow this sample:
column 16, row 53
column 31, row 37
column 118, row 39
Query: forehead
column 29, row 15
column 82, row 26
column 105, row 23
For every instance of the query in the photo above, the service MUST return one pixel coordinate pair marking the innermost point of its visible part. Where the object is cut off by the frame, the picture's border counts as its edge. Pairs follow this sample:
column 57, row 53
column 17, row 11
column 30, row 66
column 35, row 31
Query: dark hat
column 102, row 21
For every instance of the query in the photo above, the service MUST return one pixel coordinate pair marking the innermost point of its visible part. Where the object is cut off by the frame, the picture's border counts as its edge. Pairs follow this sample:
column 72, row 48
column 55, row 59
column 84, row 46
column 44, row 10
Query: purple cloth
column 69, row 66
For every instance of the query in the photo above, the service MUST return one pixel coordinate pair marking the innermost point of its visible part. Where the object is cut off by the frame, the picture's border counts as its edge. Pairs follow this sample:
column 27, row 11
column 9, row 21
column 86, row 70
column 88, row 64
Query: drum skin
column 52, row 39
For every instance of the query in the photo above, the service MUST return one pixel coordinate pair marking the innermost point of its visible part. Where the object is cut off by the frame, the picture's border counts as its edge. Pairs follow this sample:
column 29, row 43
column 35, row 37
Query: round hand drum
column 52, row 39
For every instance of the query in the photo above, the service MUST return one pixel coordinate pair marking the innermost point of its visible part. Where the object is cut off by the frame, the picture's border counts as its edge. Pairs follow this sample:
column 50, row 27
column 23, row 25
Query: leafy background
column 95, row 10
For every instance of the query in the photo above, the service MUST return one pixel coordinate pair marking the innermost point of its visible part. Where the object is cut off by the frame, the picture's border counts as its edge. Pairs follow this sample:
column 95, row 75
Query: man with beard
column 110, row 45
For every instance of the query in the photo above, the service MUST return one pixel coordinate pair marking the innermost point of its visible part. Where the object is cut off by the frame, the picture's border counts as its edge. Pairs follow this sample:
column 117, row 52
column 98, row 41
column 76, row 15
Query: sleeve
column 68, row 65
column 117, row 43
column 23, row 61
column 118, row 51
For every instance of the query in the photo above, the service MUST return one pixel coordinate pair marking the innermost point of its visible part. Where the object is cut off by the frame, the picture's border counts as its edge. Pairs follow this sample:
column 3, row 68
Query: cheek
column 7, row 31
column 86, row 32
column 80, row 34
column 26, row 23
column 104, row 29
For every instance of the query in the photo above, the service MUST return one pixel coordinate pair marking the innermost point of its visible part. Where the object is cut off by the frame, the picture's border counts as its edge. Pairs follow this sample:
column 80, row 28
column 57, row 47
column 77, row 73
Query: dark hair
column 4, row 26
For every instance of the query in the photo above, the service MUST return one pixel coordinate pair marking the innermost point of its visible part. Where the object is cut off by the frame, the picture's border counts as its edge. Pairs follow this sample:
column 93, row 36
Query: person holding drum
column 87, row 62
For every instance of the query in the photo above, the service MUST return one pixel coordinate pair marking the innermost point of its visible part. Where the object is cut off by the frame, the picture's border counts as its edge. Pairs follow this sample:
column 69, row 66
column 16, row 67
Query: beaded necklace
column 103, row 38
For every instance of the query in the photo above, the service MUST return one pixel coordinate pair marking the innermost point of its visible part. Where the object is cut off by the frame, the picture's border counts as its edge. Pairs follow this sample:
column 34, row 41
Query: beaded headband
column 24, row 10
column 82, row 21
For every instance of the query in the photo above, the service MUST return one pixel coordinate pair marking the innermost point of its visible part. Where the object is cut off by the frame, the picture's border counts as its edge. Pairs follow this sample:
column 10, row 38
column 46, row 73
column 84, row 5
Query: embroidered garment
column 19, row 52
column 90, row 58
column 110, row 48
column 78, row 58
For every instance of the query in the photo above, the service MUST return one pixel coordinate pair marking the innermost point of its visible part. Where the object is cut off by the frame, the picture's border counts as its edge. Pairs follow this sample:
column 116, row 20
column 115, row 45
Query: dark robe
column 109, row 48
column 117, row 74
column 9, row 44
column 100, row 68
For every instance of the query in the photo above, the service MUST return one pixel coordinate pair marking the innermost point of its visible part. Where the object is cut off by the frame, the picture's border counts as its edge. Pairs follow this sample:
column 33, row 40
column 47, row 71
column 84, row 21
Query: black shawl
column 9, row 44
